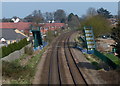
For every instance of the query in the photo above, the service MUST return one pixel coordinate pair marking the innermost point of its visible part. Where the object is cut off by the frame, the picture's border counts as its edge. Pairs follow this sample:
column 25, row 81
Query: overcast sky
column 22, row 9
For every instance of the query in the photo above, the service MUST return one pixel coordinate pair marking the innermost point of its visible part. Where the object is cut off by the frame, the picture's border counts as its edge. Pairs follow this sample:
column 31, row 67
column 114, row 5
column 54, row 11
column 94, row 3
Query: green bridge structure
column 91, row 47
column 37, row 36
column 89, row 39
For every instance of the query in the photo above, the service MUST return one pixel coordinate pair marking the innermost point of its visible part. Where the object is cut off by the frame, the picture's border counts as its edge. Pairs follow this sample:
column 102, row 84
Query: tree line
column 59, row 16
column 98, row 19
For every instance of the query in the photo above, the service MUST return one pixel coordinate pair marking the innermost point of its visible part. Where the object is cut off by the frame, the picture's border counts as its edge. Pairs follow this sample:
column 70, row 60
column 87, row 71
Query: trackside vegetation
column 6, row 50
column 15, row 73
column 100, row 25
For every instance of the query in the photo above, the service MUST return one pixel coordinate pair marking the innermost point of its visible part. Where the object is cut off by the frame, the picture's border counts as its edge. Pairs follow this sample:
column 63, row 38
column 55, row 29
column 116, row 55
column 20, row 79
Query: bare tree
column 36, row 17
column 49, row 16
column 91, row 12
column 60, row 15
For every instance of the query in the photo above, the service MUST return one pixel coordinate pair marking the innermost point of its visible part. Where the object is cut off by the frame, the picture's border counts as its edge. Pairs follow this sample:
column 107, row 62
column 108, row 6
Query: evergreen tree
column 116, row 37
column 104, row 12
column 73, row 21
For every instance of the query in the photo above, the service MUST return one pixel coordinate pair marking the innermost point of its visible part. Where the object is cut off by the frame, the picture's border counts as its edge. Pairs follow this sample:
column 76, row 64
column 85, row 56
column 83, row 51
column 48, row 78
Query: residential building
column 113, row 22
column 10, row 35
column 25, row 27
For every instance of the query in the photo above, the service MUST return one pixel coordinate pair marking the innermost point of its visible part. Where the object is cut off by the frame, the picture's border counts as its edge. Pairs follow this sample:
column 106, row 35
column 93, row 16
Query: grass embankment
column 91, row 58
column 97, row 62
column 113, row 58
column 94, row 60
column 15, row 73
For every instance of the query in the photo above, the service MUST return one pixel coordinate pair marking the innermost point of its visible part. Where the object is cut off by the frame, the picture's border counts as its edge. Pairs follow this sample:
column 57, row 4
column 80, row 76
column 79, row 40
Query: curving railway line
column 74, row 70
column 54, row 71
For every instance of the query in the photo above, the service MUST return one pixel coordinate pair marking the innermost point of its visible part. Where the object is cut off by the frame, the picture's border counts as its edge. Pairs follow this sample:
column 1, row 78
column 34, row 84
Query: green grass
column 22, row 57
column 94, row 61
column 115, row 59
column 96, row 64
column 18, row 74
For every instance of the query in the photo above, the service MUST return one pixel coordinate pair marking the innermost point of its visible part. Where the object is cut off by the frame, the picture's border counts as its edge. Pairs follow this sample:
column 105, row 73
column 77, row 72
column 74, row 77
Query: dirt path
column 37, row 78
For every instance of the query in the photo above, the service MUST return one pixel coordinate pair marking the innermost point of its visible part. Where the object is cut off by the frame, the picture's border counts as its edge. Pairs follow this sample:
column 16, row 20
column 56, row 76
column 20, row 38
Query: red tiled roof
column 54, row 24
column 19, row 25
column 26, row 25
column 22, row 25
column 7, row 25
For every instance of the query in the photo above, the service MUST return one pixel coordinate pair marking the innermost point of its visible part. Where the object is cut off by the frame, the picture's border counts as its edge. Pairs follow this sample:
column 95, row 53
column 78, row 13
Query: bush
column 28, row 50
column 6, row 50
column 99, row 24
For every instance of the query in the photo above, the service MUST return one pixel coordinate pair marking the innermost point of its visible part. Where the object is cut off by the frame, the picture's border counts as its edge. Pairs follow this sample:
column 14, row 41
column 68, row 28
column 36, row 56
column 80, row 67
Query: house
column 13, row 32
column 25, row 27
column 52, row 26
column 104, row 45
column 113, row 22
column 9, row 35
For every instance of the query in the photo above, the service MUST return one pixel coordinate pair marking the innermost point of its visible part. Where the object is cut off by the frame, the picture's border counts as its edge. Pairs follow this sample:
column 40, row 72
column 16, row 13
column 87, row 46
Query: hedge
column 6, row 50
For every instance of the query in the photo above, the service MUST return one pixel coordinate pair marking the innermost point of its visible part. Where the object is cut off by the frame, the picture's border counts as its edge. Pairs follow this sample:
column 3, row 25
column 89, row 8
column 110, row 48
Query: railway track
column 54, row 73
column 54, row 76
column 76, row 74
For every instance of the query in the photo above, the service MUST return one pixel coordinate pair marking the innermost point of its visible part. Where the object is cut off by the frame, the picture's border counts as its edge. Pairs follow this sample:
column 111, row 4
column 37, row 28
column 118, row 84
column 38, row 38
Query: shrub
column 6, row 50
column 28, row 50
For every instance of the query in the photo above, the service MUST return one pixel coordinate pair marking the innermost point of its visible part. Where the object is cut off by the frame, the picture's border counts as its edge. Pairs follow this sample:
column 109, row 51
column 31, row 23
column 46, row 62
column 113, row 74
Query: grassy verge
column 94, row 60
column 14, row 73
column 115, row 59
column 98, row 63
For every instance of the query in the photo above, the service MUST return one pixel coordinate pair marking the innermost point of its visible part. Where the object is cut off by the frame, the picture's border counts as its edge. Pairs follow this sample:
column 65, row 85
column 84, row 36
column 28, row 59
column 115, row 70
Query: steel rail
column 75, row 62
column 69, row 57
